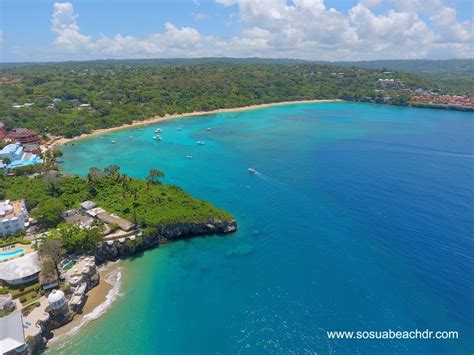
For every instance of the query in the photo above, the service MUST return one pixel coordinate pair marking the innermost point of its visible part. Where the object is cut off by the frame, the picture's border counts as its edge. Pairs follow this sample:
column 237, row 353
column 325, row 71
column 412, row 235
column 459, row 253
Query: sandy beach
column 156, row 119
column 98, row 301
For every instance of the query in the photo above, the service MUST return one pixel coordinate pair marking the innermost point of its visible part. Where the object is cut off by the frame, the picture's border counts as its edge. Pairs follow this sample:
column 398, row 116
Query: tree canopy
column 147, row 204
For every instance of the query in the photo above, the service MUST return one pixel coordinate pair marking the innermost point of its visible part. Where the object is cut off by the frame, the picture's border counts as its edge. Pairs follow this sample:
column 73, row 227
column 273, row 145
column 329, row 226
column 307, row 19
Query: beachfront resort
column 36, row 294
column 20, row 147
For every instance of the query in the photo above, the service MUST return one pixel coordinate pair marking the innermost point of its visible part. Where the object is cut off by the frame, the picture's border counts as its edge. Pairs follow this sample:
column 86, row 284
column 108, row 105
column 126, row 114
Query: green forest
column 113, row 93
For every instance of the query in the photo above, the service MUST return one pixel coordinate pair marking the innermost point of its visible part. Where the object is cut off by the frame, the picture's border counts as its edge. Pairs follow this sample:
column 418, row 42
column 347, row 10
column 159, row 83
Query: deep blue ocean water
column 361, row 219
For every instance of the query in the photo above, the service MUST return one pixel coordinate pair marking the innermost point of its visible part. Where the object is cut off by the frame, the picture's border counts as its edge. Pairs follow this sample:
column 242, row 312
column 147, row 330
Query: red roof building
column 23, row 136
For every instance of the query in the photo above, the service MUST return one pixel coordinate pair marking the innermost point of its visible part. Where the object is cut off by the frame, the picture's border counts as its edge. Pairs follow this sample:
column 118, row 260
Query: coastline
column 62, row 141
column 99, row 300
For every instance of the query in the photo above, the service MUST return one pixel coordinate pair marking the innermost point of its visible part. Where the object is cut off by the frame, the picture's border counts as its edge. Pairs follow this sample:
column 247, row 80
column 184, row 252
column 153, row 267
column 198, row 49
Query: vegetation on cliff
column 149, row 204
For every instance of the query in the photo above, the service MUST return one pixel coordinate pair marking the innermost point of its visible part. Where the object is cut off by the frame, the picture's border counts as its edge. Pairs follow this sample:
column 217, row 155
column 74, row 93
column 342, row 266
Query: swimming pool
column 9, row 254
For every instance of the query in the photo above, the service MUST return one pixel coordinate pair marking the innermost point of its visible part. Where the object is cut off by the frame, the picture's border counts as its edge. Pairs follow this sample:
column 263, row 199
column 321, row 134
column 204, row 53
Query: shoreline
column 99, row 300
column 62, row 140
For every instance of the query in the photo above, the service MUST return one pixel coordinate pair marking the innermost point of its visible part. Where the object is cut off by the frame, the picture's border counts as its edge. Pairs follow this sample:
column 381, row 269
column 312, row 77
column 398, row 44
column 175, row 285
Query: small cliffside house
column 91, row 209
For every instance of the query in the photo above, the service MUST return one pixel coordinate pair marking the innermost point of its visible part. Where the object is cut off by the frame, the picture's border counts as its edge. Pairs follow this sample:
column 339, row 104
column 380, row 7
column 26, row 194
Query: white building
column 12, row 151
column 12, row 336
column 13, row 217
column 57, row 301
column 20, row 270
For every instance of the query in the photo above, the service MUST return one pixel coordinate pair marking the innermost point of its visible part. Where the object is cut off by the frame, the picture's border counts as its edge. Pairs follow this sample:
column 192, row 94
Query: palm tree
column 153, row 177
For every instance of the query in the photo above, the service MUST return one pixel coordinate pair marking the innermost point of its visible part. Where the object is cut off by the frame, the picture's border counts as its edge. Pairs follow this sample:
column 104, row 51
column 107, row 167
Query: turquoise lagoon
column 361, row 219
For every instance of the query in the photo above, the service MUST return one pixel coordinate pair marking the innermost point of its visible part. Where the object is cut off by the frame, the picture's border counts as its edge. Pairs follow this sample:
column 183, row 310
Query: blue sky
column 37, row 30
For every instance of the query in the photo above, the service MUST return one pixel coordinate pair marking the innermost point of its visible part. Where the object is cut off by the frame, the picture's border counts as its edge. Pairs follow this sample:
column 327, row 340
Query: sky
column 333, row 30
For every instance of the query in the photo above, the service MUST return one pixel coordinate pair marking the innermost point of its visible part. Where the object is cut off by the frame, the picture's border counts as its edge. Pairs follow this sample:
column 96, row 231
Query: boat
column 159, row 130
column 179, row 128
column 157, row 138
column 252, row 171
column 189, row 156
column 113, row 142
column 200, row 142
column 208, row 129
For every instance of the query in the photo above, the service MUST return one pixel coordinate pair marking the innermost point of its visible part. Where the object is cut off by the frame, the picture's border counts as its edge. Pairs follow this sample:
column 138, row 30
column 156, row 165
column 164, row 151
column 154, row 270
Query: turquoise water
column 9, row 254
column 361, row 219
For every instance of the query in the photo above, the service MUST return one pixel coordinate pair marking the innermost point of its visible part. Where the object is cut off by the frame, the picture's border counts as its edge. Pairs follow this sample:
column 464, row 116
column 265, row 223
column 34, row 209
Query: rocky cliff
column 111, row 250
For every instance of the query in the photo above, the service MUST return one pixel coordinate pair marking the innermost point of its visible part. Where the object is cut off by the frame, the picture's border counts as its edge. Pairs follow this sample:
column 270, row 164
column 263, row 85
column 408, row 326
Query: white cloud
column 199, row 16
column 451, row 30
column 300, row 29
column 398, row 31
column 64, row 24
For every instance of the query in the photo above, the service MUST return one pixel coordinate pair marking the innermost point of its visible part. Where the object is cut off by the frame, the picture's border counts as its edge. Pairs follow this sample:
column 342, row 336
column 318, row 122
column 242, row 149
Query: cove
column 361, row 218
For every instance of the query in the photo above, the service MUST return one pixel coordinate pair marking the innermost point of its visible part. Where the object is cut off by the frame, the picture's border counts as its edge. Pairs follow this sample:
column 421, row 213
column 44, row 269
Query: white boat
column 252, row 171
column 157, row 138
column 113, row 142
column 189, row 156
column 200, row 142
column 159, row 130
column 208, row 129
